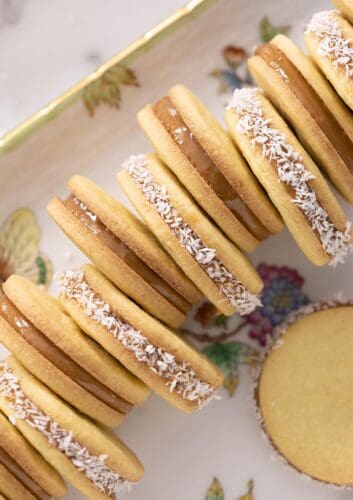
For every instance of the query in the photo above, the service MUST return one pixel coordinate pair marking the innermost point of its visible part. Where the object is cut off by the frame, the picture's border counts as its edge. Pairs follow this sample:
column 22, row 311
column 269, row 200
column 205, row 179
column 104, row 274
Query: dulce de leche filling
column 171, row 120
column 309, row 98
column 92, row 222
column 58, row 358
column 16, row 470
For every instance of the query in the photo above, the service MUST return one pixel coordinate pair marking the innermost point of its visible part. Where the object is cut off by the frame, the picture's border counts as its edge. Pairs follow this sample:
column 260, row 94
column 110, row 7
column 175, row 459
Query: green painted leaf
column 215, row 491
column 268, row 30
column 228, row 357
column 221, row 320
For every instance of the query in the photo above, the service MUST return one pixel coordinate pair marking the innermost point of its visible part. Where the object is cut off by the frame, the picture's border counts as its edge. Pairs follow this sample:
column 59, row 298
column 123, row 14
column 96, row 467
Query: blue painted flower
column 235, row 75
column 281, row 294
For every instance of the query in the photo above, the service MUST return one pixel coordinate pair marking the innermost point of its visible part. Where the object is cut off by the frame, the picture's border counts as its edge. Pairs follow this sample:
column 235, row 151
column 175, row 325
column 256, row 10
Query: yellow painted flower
column 249, row 495
column 19, row 249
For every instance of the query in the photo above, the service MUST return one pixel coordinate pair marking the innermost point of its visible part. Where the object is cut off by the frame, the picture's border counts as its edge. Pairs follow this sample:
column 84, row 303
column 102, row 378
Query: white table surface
column 48, row 45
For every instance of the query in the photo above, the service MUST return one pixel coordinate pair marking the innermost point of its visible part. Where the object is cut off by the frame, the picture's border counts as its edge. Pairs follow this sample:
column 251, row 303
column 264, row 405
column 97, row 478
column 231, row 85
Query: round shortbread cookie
column 155, row 354
column 304, row 108
column 92, row 459
column 204, row 159
column 162, row 289
column 304, row 390
column 50, row 345
column 210, row 260
column 328, row 37
column 26, row 474
column 290, row 177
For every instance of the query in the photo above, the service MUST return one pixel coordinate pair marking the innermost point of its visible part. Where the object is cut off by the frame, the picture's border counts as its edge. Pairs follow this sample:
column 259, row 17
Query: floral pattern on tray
column 106, row 89
column 216, row 492
column 235, row 74
column 19, row 249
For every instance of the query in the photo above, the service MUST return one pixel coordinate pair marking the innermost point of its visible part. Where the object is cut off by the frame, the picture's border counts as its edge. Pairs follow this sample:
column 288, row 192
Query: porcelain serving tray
column 218, row 453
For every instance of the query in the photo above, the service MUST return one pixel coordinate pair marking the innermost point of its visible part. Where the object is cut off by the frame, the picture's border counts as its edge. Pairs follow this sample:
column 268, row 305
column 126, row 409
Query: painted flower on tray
column 281, row 295
column 107, row 87
column 19, row 249
column 228, row 357
column 235, row 75
column 216, row 492
column 249, row 495
column 207, row 315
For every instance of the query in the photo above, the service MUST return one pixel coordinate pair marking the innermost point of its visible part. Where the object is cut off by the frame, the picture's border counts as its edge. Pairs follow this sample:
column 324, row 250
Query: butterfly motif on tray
column 19, row 249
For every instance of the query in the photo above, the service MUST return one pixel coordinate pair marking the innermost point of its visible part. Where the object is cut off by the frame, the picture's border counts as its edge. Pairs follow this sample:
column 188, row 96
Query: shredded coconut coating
column 92, row 466
column 332, row 43
column 179, row 377
column 232, row 289
column 290, row 169
column 278, row 332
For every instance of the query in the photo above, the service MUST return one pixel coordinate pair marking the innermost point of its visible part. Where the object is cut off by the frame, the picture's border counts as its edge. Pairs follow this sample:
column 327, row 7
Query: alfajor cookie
column 91, row 458
column 346, row 8
column 322, row 126
column 292, row 180
column 198, row 151
column 124, row 250
column 23, row 471
column 304, row 392
column 35, row 328
column 210, row 260
column 155, row 354
column 328, row 37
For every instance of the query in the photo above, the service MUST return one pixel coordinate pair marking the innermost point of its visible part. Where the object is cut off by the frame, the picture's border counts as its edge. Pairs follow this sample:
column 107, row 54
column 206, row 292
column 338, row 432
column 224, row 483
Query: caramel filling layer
column 58, row 358
column 92, row 222
column 171, row 120
column 312, row 102
column 16, row 470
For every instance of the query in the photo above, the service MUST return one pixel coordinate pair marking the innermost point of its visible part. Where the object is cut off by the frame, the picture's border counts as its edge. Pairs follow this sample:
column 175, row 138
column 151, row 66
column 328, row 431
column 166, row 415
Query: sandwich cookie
column 280, row 72
column 304, row 392
column 155, row 354
column 210, row 260
column 346, row 8
column 34, row 327
column 90, row 458
column 328, row 37
column 198, row 151
column 124, row 250
column 290, row 177
column 317, row 80
column 23, row 471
